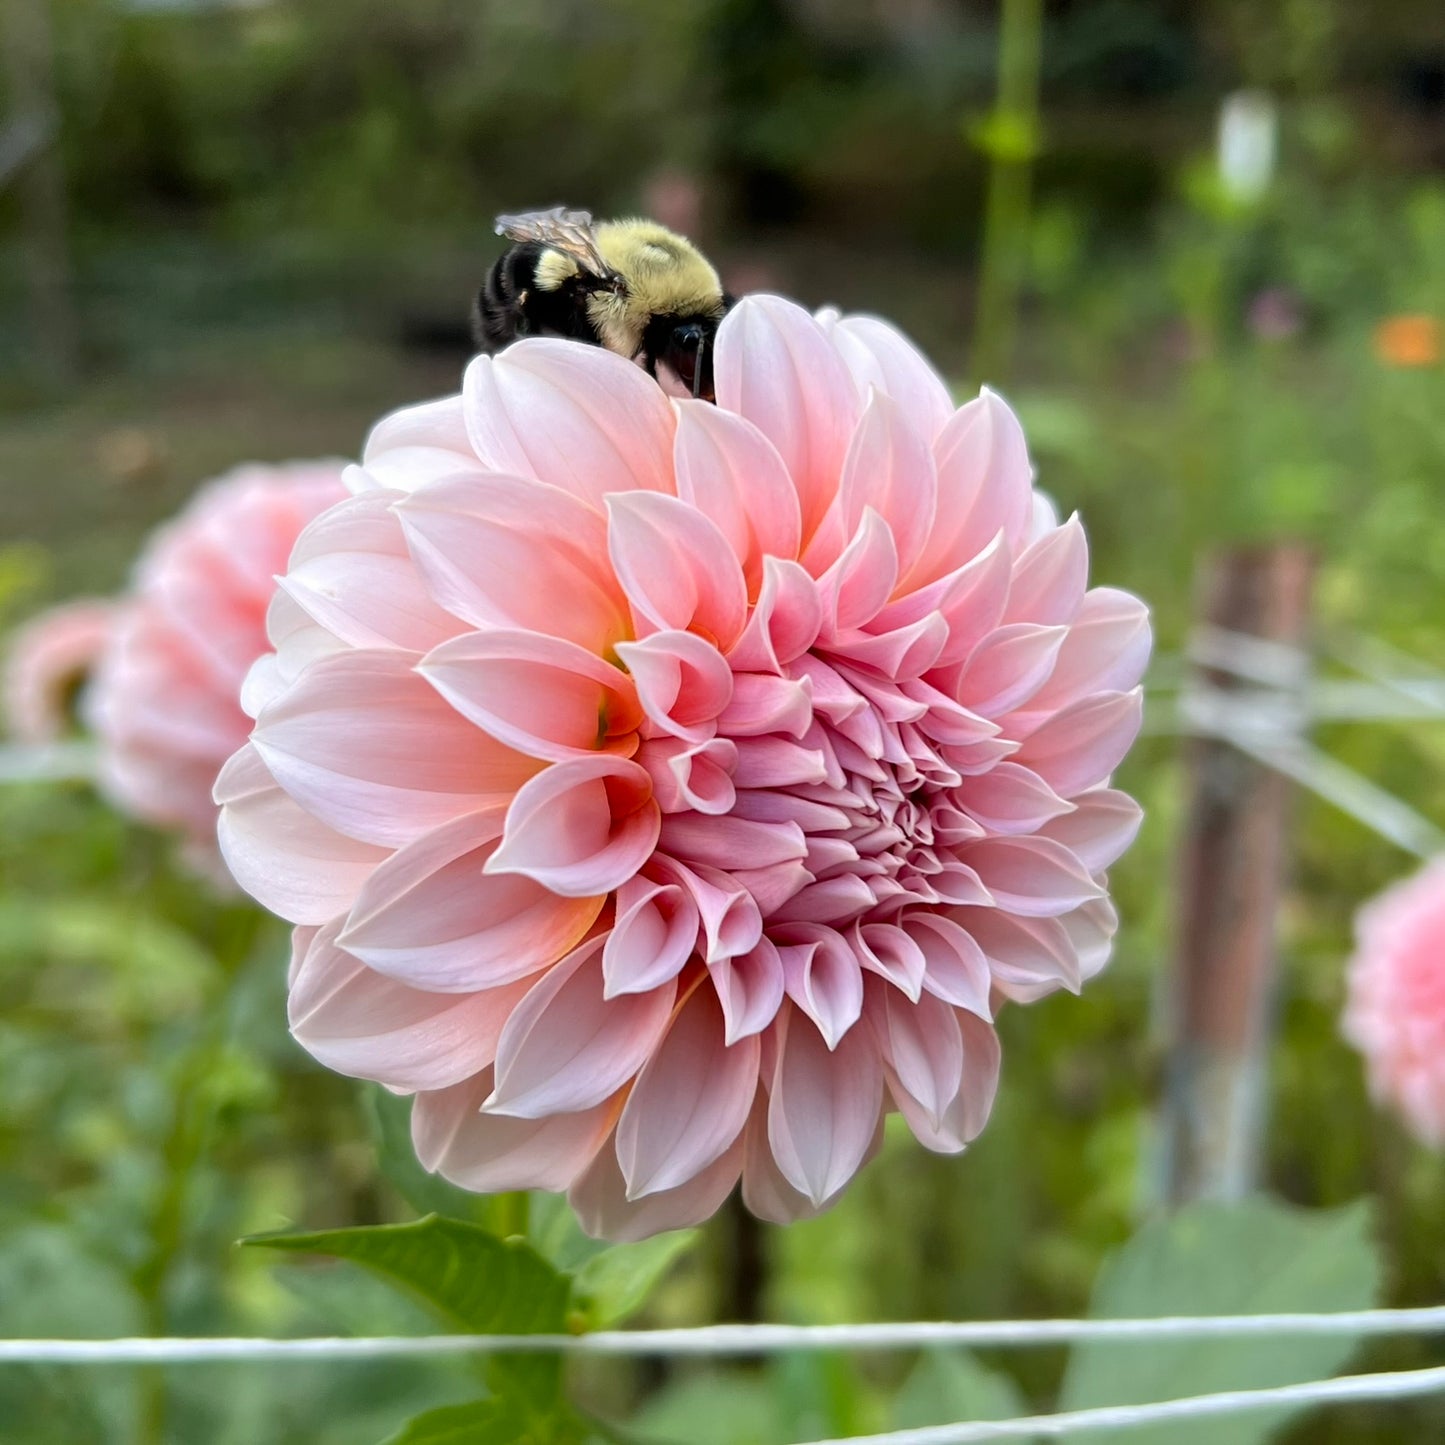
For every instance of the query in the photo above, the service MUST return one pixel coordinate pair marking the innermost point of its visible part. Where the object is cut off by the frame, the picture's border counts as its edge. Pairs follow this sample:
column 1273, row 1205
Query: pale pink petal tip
column 666, row 792
column 1395, row 1010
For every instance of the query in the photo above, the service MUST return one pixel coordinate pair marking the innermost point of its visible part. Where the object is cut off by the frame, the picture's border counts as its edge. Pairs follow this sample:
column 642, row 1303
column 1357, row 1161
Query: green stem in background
column 509, row 1214
column 183, row 1149
column 1009, row 137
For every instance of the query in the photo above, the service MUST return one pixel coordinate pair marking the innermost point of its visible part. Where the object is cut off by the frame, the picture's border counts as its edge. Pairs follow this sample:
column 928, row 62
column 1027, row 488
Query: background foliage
column 276, row 215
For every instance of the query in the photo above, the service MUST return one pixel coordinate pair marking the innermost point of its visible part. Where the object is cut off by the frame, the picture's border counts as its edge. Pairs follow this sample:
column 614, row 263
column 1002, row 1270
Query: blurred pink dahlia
column 163, row 703
column 1395, row 1014
column 664, row 791
column 47, row 663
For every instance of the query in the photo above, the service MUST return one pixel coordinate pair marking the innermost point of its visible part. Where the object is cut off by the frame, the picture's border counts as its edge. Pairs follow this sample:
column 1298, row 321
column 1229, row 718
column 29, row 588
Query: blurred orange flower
column 1408, row 341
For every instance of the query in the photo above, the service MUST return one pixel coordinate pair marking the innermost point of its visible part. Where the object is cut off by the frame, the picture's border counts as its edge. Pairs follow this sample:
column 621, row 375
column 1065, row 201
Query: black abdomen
column 510, row 304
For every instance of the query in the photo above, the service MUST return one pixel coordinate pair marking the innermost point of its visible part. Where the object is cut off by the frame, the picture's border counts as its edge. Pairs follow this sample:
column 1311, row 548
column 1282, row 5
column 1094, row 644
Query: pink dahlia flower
column 49, row 659
column 665, row 791
column 164, row 702
column 1395, row 1014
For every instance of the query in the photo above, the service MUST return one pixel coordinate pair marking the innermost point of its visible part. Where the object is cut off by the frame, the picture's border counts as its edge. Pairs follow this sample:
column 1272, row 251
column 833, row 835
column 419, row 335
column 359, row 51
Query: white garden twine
column 718, row 1341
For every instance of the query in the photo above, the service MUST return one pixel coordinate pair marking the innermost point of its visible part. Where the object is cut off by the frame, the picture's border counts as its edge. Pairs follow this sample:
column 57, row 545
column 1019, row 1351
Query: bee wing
column 567, row 231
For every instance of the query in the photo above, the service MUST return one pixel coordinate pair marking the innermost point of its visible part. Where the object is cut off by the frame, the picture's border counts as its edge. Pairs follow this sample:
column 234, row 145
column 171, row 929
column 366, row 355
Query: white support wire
column 1347, row 1389
column 725, row 1340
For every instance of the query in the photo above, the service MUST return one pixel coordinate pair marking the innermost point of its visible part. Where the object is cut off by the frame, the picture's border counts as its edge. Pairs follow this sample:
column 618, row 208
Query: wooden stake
column 1219, row 995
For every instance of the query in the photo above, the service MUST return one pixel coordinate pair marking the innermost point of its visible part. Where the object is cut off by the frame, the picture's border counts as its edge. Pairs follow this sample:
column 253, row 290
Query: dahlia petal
column 654, row 935
column 580, row 418
column 968, row 1112
column 971, row 599
column 430, row 425
column 1008, row 667
column 823, row 1106
column 889, row 467
column 762, row 704
column 749, row 988
column 1027, row 957
column 785, row 622
column 690, row 1101
column 776, row 368
column 364, row 745
column 283, row 857
column 1091, row 930
column 984, row 485
column 765, row 1192
column 775, row 762
column 733, row 475
column 854, row 588
column 675, row 567
column 907, row 652
column 566, row 1047
column 500, row 551
column 731, row 843
column 731, row 922
column 360, row 1023
column 922, row 1045
column 432, row 917
column 888, row 951
column 599, row 1198
column 1107, row 650
column 1035, row 877
column 1079, row 747
column 683, row 683
column 580, row 827
column 823, row 976
column 488, row 1153
column 351, row 574
column 1102, row 825
column 955, row 966
column 1050, row 576
column 696, row 776
column 1010, row 800
column 881, row 357
column 541, row 695
column 772, row 887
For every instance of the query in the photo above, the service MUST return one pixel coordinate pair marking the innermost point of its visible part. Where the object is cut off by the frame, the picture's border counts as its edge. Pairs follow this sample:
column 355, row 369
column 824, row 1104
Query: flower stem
column 1010, row 138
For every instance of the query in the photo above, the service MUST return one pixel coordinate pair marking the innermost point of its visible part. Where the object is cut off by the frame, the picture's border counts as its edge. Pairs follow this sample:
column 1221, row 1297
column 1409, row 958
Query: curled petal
column 1106, row 650
column 1010, row 799
column 581, row 827
column 1050, row 577
column 749, row 988
column 599, row 1197
column 490, row 1152
column 690, row 1101
column 1101, row 826
column 1035, row 877
column 823, row 1105
column 501, row 551
column 654, row 935
column 1027, row 957
column 683, row 683
column 541, row 695
column 785, row 621
column 433, row 917
column 922, row 1045
column 732, row 473
column 955, row 966
column 566, row 1047
column 967, row 1112
column 1008, row 667
column 884, row 359
column 676, row 567
column 823, row 976
column 853, row 589
column 361, row 1023
column 1078, row 748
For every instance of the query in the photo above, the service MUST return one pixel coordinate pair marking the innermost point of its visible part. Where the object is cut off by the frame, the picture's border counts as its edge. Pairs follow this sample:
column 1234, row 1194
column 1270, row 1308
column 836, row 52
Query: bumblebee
column 632, row 286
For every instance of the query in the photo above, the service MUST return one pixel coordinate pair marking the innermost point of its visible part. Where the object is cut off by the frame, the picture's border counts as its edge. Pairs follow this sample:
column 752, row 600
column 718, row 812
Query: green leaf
column 948, row 1387
column 1258, row 1257
column 478, row 1283
column 390, row 1116
column 478, row 1422
column 611, row 1285
column 714, row 1409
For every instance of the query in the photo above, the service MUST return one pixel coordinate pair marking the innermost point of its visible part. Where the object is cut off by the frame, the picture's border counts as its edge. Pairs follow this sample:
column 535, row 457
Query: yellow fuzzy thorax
column 666, row 275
